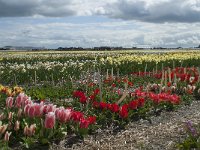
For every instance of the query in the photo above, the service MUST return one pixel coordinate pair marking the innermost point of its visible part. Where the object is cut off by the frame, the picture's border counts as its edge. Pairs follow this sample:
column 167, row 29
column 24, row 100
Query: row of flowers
column 140, row 98
column 33, row 66
column 189, row 75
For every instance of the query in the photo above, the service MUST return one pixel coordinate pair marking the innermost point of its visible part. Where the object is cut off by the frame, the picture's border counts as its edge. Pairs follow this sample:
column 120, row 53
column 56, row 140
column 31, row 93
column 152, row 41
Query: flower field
column 47, row 97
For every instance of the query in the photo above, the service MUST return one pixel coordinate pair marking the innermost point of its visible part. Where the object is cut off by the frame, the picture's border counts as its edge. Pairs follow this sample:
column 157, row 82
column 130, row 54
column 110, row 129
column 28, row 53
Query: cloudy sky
column 89, row 23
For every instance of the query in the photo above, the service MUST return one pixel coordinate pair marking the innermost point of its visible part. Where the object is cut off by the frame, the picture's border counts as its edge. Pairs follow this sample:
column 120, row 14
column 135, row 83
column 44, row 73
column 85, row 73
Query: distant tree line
column 101, row 48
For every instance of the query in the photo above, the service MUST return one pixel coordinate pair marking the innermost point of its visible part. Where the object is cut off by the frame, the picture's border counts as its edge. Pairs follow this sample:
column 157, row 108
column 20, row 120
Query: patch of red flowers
column 80, row 95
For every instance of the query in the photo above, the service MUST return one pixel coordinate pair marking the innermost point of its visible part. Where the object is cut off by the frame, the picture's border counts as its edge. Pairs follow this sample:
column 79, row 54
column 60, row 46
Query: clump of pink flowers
column 46, row 116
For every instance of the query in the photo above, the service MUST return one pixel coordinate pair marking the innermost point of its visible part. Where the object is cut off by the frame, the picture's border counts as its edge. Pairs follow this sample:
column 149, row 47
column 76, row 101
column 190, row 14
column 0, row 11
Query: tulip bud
column 26, row 130
column 10, row 115
column 7, row 136
column 19, row 113
column 32, row 129
column 9, row 125
column 2, row 116
column 3, row 128
column 17, row 125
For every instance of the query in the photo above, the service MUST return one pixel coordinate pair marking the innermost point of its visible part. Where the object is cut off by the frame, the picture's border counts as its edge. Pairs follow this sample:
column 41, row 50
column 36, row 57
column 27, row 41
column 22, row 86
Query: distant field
column 64, row 64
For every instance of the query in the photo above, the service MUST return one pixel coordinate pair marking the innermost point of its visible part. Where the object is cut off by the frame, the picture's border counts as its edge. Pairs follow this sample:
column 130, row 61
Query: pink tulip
column 34, row 110
column 31, row 111
column 28, row 101
column 26, row 109
column 45, row 108
column 9, row 102
column 38, row 109
column 19, row 100
column 63, row 115
column 51, row 108
column 49, row 120
column 22, row 100
column 7, row 136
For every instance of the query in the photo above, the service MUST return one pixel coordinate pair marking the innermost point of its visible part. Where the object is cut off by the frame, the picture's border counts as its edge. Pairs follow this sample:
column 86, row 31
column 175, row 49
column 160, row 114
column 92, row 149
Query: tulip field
column 48, row 96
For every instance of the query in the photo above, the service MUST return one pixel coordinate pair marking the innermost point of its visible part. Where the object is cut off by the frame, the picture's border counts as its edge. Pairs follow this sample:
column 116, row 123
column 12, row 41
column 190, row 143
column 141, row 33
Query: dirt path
column 164, row 131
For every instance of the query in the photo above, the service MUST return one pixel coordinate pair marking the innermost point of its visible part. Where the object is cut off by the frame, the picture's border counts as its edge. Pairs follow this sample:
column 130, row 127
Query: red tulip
column 133, row 104
column 114, row 108
column 141, row 102
column 124, row 111
column 109, row 106
column 83, row 99
column 91, row 119
column 169, row 84
column 96, row 91
column 102, row 105
column 92, row 97
column 77, row 116
column 95, row 104
column 84, row 123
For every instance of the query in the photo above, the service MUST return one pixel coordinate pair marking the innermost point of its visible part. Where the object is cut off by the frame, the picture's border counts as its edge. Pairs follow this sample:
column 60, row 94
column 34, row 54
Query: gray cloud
column 25, row 8
column 156, row 11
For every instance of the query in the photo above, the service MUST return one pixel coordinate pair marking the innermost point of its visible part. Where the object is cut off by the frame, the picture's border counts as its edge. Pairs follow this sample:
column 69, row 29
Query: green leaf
column 44, row 141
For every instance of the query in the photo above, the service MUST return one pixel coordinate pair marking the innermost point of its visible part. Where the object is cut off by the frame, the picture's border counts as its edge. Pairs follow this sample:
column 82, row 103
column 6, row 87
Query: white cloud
column 126, row 33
